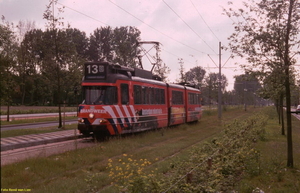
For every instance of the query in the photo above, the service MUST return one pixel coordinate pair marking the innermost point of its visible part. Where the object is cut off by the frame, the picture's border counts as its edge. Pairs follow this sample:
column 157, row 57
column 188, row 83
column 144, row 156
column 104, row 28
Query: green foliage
column 46, row 67
column 8, row 48
column 129, row 175
column 266, row 35
column 195, row 76
column 210, row 87
column 125, row 43
column 178, row 166
column 219, row 164
column 215, row 166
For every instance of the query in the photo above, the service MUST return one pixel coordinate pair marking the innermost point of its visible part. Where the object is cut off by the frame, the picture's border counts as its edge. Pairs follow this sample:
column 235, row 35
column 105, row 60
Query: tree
column 161, row 70
column 195, row 76
column 246, row 87
column 274, row 89
column 182, row 73
column 266, row 34
column 28, row 60
column 78, row 45
column 101, row 44
column 125, row 44
column 8, row 59
column 211, row 86
column 55, row 62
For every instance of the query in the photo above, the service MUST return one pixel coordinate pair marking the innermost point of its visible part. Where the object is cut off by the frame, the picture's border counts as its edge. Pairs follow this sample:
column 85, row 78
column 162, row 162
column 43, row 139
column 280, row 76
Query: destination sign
column 95, row 70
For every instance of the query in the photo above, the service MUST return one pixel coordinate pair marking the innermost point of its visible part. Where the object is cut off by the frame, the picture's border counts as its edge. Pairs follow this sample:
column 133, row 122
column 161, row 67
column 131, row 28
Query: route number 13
column 95, row 69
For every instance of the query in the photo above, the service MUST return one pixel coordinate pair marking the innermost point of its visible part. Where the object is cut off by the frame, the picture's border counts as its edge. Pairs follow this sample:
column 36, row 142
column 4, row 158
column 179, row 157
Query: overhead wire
column 188, row 25
column 83, row 14
column 155, row 28
column 208, row 67
column 210, row 31
column 86, row 15
column 135, row 18
column 204, row 20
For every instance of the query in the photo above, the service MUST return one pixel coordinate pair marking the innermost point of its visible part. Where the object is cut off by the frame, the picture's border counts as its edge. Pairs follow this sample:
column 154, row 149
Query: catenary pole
column 220, row 91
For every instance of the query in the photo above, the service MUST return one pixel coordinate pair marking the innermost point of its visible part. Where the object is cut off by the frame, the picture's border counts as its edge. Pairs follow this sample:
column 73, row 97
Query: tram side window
column 124, row 94
column 151, row 96
column 197, row 99
column 148, row 95
column 163, row 96
column 177, row 97
column 191, row 98
column 159, row 96
column 137, row 94
column 111, row 96
column 194, row 98
column 145, row 95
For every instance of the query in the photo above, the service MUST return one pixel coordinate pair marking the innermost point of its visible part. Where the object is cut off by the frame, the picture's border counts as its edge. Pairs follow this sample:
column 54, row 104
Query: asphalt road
column 35, row 125
column 37, row 115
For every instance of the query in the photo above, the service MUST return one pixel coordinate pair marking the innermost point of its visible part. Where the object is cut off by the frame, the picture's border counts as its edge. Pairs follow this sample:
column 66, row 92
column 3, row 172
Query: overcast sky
column 187, row 29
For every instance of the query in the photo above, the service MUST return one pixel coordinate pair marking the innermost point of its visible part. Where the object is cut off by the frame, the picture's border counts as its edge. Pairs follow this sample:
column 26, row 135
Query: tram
column 119, row 100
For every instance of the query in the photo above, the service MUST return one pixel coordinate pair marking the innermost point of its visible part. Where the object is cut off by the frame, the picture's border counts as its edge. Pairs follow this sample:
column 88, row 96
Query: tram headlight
column 91, row 115
column 80, row 120
column 102, row 121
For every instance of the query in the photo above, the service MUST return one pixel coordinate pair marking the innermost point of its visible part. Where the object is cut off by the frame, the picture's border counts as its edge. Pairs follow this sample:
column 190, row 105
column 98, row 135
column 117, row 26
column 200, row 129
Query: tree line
column 32, row 69
column 266, row 35
column 46, row 67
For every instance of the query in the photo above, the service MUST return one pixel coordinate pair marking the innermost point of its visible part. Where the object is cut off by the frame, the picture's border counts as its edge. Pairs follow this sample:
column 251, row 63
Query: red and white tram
column 120, row 100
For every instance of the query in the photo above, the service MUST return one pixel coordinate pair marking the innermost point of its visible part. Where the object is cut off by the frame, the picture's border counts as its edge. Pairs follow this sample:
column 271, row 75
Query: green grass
column 73, row 167
column 35, row 109
column 36, row 120
column 19, row 132
column 85, row 170
column 274, row 176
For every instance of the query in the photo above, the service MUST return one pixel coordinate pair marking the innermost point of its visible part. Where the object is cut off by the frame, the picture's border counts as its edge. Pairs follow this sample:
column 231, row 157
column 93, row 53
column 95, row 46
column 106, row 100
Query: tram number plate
column 95, row 71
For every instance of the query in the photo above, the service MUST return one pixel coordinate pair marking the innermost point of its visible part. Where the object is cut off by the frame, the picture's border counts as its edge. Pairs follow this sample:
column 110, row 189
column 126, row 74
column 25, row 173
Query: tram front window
column 100, row 95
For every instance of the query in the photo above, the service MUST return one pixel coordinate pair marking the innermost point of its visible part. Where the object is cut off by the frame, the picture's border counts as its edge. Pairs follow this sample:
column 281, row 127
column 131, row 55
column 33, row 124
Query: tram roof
column 116, row 72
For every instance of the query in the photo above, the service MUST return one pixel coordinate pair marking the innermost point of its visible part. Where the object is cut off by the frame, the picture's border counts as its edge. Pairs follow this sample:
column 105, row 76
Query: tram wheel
column 100, row 136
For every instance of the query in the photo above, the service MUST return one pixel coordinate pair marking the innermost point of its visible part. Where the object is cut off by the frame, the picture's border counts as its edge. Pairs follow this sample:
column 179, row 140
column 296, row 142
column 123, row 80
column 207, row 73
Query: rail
column 35, row 116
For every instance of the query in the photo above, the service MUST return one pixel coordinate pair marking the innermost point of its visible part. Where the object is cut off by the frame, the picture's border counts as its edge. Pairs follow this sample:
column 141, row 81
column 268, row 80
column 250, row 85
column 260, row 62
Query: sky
column 187, row 29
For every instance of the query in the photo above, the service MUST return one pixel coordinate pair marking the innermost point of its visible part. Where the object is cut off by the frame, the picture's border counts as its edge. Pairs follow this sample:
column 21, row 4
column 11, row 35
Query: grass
column 75, row 166
column 35, row 109
column 85, row 170
column 274, row 176
column 19, row 132
column 37, row 120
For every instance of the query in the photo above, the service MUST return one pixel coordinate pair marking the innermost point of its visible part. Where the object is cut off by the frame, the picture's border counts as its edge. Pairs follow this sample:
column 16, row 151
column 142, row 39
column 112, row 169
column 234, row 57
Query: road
column 296, row 115
column 35, row 116
column 35, row 125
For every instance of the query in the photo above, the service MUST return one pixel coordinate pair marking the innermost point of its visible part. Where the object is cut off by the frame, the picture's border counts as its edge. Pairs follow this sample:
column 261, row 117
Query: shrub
column 219, row 164
column 216, row 166
column 129, row 175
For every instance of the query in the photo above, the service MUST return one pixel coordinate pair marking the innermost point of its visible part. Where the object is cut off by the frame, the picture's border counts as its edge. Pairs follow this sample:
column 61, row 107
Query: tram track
column 33, row 148
column 11, row 143
column 33, row 125
column 43, row 150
